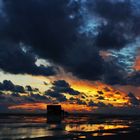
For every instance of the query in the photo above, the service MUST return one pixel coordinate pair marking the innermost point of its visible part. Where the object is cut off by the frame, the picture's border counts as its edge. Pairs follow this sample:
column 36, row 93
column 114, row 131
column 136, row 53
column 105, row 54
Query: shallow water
column 19, row 127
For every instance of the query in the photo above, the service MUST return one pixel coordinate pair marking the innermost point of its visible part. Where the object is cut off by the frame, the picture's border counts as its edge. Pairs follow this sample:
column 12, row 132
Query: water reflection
column 16, row 131
column 92, row 127
column 23, row 119
column 82, row 137
column 102, row 134
column 33, row 127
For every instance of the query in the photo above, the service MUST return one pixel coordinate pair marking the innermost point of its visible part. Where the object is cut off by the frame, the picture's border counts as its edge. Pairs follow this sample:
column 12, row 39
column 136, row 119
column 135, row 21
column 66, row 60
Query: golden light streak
column 113, row 96
column 93, row 127
column 26, row 106
column 42, row 106
column 90, row 91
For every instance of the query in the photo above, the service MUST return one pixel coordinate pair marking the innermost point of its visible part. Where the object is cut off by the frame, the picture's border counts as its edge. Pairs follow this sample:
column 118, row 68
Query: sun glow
column 32, row 107
column 100, row 94
column 99, row 91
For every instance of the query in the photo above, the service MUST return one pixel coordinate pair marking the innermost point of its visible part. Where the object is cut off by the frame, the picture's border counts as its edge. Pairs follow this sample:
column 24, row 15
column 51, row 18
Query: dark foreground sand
column 128, row 136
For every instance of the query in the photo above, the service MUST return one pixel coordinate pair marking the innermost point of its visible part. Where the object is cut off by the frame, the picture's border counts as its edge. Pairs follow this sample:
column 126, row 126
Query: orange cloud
column 95, row 92
column 137, row 63
column 33, row 107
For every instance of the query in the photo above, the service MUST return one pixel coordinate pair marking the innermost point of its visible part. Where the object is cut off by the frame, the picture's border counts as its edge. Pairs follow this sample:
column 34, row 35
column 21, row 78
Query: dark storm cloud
column 38, row 97
column 133, row 99
column 59, row 96
column 134, row 79
column 115, row 11
column 52, row 34
column 99, row 104
column 45, row 25
column 14, row 59
column 123, row 79
column 15, row 94
column 83, row 60
column 114, row 73
column 91, row 103
column 100, row 92
column 61, row 86
column 112, row 37
column 80, row 102
column 120, row 23
column 9, row 86
column 50, row 28
column 29, row 88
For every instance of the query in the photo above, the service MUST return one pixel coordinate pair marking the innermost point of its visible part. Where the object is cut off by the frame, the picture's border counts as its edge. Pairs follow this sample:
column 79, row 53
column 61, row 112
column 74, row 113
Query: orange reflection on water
column 102, row 134
column 92, row 127
column 34, row 119
column 82, row 137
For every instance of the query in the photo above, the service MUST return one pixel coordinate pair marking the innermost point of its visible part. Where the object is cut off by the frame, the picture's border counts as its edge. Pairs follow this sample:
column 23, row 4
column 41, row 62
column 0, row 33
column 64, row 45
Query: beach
column 72, row 127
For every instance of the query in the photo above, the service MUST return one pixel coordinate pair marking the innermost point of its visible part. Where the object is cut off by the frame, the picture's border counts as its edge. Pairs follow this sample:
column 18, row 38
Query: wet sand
column 71, row 128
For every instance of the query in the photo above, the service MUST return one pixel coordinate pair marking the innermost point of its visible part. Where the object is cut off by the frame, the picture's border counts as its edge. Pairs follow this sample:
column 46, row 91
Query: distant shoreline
column 69, row 114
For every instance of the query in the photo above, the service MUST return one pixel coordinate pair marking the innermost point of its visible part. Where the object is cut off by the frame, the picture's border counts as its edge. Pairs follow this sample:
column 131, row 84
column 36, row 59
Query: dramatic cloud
column 118, row 23
column 63, row 87
column 41, row 24
column 99, row 104
column 58, row 31
column 114, row 11
column 58, row 96
column 61, row 92
column 9, row 86
column 133, row 99
column 38, row 97
column 28, row 88
column 52, row 34
column 14, row 59
column 60, row 88
column 133, row 79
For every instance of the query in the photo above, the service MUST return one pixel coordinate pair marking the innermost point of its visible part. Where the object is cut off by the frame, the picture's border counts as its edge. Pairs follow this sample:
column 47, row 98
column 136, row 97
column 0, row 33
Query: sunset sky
column 82, row 54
